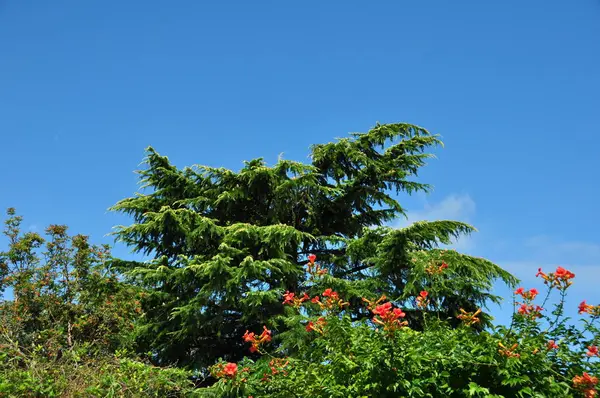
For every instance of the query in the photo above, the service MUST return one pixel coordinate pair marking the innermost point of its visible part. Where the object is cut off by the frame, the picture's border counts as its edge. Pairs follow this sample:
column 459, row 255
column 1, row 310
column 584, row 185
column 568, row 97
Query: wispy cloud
column 521, row 257
column 551, row 249
column 453, row 207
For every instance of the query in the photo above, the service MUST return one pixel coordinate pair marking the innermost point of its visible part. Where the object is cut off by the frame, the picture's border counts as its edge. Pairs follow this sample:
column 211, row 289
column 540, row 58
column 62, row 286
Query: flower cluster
column 228, row 370
column 508, row 352
column 313, row 268
column 586, row 384
column 469, row 318
column 277, row 365
column 561, row 278
column 291, row 299
column 530, row 310
column 526, row 308
column 385, row 315
column 593, row 310
column 422, row 301
column 527, row 295
column 436, row 269
column 257, row 341
column 331, row 299
column 390, row 319
column 551, row 345
column 316, row 327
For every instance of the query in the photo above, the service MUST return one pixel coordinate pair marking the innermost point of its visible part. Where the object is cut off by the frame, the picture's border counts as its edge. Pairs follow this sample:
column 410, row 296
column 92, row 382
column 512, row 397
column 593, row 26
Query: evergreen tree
column 226, row 245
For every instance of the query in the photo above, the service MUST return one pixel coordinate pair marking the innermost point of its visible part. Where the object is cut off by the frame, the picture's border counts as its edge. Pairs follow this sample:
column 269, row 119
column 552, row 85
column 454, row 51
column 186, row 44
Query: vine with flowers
column 539, row 355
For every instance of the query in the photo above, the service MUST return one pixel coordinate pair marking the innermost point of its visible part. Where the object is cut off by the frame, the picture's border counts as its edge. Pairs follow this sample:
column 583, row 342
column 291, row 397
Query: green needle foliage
column 226, row 245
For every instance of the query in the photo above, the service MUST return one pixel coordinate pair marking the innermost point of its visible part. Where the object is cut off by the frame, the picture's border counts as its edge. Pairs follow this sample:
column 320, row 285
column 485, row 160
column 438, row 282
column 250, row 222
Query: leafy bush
column 74, row 375
column 69, row 315
column 327, row 354
column 234, row 298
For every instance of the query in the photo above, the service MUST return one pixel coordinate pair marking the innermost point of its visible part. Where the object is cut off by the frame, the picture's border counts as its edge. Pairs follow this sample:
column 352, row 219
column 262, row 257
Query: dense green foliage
column 227, row 244
column 539, row 355
column 70, row 323
column 281, row 281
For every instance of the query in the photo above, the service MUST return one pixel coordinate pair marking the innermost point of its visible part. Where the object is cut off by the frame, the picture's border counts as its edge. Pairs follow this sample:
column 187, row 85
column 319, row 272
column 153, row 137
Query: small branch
column 69, row 335
column 356, row 269
column 326, row 251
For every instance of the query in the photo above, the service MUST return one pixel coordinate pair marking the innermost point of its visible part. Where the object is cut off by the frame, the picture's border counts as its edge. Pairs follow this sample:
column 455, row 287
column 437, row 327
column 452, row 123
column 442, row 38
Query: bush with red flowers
column 233, row 299
column 330, row 354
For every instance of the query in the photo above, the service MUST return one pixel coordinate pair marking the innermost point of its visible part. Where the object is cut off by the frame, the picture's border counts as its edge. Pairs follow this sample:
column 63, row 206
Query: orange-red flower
column 315, row 269
column 434, row 270
column 332, row 299
column 469, row 318
column 288, row 298
column 508, row 352
column 551, row 345
column 229, row 370
column 330, row 293
column 387, row 316
column 592, row 351
column 530, row 311
column 527, row 295
column 562, row 273
column 276, row 365
column 561, row 278
column 310, row 326
column 257, row 341
column 540, row 273
column 584, row 307
column 318, row 327
column 291, row 299
column 422, row 301
column 586, row 384
column 382, row 309
column 593, row 310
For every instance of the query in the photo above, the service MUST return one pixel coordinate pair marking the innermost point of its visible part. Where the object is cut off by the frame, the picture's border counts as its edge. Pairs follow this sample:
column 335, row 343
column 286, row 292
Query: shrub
column 327, row 354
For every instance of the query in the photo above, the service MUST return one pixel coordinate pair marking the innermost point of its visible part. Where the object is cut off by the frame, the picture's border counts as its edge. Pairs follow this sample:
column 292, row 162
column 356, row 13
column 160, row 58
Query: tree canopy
column 278, row 281
column 226, row 245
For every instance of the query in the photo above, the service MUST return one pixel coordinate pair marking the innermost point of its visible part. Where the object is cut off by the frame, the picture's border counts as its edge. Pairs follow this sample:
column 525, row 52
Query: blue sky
column 512, row 86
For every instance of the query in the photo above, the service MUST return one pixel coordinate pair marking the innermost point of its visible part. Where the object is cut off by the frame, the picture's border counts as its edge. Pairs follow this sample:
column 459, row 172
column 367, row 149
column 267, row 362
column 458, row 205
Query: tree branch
column 356, row 269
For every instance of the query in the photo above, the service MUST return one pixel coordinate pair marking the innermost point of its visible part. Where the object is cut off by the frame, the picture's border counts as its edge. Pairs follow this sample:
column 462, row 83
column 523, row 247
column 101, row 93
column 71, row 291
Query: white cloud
column 522, row 258
column 549, row 249
column 454, row 207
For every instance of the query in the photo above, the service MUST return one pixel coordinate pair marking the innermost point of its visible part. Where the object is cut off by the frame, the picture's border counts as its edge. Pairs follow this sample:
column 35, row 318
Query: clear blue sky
column 512, row 86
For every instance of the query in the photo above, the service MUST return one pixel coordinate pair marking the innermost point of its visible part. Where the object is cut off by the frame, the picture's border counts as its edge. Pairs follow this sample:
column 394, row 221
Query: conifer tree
column 226, row 245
